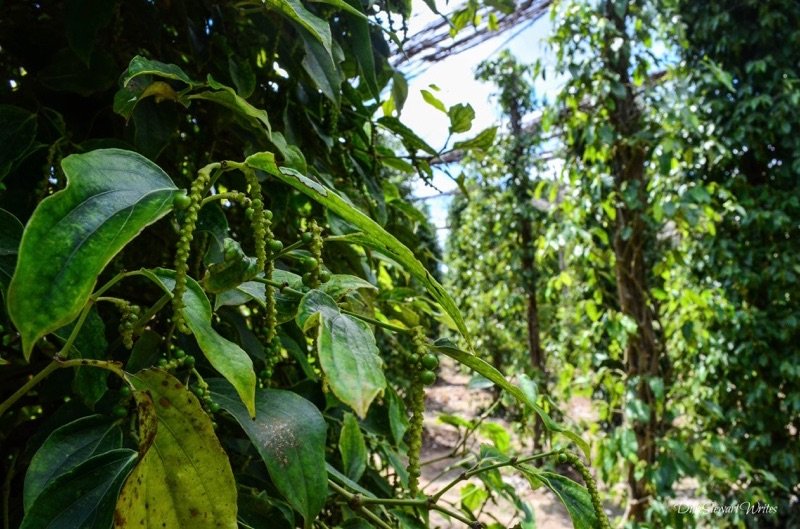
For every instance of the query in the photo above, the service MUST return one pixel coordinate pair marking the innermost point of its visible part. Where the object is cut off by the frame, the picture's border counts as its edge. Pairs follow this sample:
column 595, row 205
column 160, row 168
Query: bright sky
column 455, row 76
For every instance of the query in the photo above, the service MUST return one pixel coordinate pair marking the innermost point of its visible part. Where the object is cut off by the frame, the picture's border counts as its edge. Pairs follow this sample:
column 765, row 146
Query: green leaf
column 472, row 497
column 433, row 101
column 243, row 293
column 230, row 360
column 341, row 285
column 10, row 235
column 289, row 433
column 372, row 234
column 285, row 303
column 347, row 351
column 66, row 448
column 17, row 137
column 141, row 66
column 352, row 448
column 477, row 364
column 84, row 497
column 242, row 75
column 399, row 90
column 89, row 382
column 341, row 478
column 111, row 196
column 294, row 10
column 322, row 69
column 235, row 269
column 228, row 98
column 145, row 351
column 498, row 435
column 83, row 19
column 184, row 478
column 461, row 117
column 361, row 46
column 574, row 497
column 408, row 136
column 482, row 141
column 344, row 6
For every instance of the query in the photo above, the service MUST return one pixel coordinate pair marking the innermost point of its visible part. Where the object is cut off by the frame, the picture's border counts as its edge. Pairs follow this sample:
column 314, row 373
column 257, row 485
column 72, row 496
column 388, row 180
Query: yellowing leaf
column 184, row 478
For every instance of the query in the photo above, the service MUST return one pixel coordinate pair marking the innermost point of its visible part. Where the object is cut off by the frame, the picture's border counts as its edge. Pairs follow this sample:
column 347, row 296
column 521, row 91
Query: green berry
column 309, row 263
column 324, row 276
column 188, row 361
column 214, row 407
column 427, row 377
column 198, row 391
column 181, row 201
column 307, row 237
column 125, row 391
column 275, row 246
column 180, row 353
column 119, row 411
column 248, row 213
column 430, row 361
column 268, row 214
column 308, row 278
column 162, row 363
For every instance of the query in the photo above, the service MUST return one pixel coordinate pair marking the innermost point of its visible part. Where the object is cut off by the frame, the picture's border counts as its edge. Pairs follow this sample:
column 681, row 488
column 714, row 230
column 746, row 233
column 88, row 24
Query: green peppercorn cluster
column 201, row 392
column 121, row 410
column 417, row 403
column 129, row 316
column 271, row 359
column 420, row 363
column 313, row 275
column 591, row 485
column 179, row 359
column 195, row 201
column 257, row 217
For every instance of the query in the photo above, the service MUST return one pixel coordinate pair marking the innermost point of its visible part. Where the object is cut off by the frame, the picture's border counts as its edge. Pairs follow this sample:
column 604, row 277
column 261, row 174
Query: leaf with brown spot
column 289, row 433
column 184, row 478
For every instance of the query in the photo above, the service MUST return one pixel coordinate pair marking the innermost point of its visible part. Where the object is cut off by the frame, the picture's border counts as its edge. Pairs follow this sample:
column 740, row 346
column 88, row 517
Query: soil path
column 450, row 395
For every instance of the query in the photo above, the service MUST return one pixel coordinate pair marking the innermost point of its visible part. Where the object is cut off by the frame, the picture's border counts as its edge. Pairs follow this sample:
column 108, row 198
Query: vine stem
column 58, row 359
column 349, row 496
column 144, row 319
column 280, row 286
column 475, row 470
column 358, row 502
column 58, row 363
column 293, row 246
column 233, row 196
column 387, row 326
column 452, row 514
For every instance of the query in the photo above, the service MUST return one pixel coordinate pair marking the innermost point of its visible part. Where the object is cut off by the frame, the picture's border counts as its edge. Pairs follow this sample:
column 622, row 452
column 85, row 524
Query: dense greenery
column 221, row 305
column 667, row 244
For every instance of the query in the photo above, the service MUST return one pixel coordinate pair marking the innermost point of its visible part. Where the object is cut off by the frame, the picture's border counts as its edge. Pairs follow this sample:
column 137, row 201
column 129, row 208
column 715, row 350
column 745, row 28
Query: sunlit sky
column 455, row 77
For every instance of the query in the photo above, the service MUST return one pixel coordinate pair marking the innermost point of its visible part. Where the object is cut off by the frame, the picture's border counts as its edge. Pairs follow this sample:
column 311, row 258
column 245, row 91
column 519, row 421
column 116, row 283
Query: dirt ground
column 450, row 395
